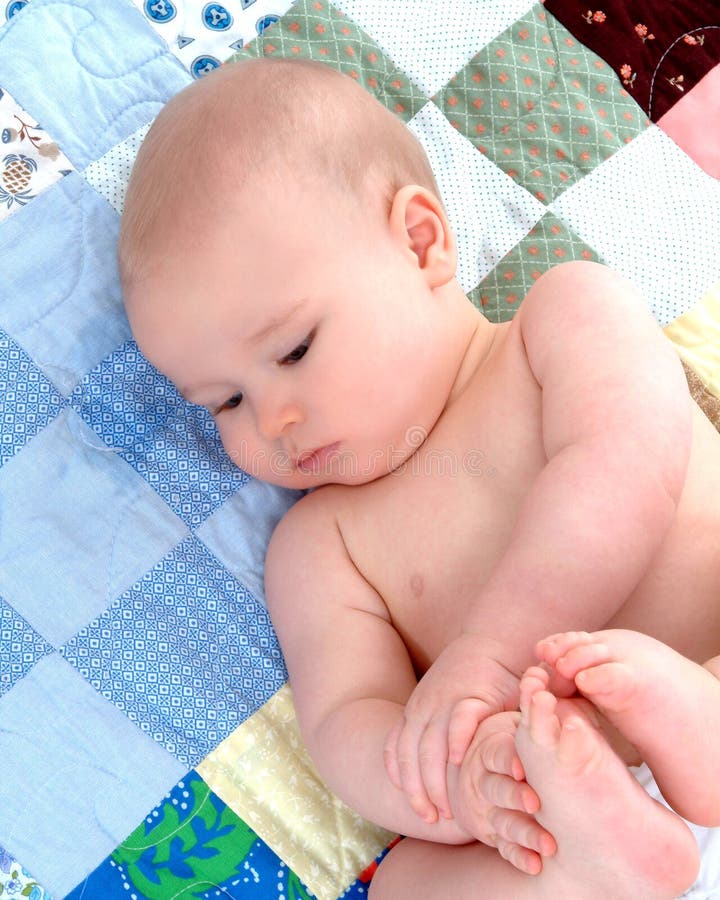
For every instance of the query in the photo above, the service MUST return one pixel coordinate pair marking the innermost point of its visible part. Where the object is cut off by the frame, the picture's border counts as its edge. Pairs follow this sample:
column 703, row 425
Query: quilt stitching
column 204, row 658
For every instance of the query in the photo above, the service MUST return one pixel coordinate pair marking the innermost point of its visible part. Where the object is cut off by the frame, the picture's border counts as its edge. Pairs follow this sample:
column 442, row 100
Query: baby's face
column 307, row 331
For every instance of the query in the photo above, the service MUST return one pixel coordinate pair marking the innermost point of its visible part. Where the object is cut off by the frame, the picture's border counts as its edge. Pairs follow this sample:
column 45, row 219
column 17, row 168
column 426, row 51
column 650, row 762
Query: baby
column 473, row 487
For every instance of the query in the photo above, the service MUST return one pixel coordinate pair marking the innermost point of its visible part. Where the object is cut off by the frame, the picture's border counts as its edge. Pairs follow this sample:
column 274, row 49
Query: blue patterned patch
column 27, row 399
column 187, row 653
column 171, row 443
column 202, row 65
column 20, row 647
column 160, row 10
column 216, row 17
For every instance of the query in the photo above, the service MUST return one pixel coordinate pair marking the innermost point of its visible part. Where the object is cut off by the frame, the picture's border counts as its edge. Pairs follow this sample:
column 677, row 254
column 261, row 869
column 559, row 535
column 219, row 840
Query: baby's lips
column 315, row 459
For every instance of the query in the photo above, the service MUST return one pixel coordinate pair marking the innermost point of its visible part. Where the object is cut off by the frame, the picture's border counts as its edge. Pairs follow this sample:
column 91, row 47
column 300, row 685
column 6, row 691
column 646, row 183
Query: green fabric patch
column 549, row 243
column 195, row 841
column 543, row 107
column 315, row 30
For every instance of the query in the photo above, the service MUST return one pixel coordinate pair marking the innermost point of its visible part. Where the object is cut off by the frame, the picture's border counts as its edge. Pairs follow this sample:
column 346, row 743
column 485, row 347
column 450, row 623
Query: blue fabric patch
column 187, row 653
column 76, row 774
column 238, row 532
column 79, row 527
column 20, row 647
column 96, row 96
column 59, row 281
column 171, row 443
column 192, row 845
column 27, row 399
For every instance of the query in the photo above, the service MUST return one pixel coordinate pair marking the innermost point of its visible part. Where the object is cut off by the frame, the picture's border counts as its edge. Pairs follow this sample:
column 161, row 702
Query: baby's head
column 280, row 250
column 276, row 120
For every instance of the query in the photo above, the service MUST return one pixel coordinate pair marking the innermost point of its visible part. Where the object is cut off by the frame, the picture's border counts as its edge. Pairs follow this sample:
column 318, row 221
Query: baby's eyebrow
column 276, row 322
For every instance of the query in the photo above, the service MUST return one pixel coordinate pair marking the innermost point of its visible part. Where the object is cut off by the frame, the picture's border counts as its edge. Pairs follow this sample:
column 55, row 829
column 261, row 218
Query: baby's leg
column 667, row 706
column 613, row 839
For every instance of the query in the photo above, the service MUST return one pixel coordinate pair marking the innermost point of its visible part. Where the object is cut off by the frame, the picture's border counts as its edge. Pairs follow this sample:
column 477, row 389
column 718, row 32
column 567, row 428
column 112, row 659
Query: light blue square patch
column 171, row 443
column 87, row 95
column 27, row 399
column 239, row 531
column 20, row 647
column 79, row 526
column 186, row 653
column 77, row 776
column 59, row 281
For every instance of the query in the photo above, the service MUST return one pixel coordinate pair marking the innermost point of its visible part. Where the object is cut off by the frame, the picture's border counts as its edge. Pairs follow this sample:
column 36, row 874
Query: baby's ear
column 418, row 221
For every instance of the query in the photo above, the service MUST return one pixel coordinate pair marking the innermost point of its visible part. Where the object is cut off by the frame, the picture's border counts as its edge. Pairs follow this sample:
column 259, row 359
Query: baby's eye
column 297, row 354
column 232, row 402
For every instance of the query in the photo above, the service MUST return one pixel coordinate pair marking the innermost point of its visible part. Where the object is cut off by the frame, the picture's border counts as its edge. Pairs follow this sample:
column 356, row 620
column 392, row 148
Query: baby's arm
column 351, row 675
column 616, row 429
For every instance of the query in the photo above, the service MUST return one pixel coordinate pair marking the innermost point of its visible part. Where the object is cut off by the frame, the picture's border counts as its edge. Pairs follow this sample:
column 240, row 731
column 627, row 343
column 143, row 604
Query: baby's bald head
column 261, row 119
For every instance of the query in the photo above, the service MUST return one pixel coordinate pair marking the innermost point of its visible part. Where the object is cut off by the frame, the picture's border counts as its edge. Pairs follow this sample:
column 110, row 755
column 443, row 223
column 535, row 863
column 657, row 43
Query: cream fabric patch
column 697, row 338
column 264, row 774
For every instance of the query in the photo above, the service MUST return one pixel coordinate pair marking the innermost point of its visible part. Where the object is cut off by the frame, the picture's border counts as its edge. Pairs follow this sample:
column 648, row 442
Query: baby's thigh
column 424, row 871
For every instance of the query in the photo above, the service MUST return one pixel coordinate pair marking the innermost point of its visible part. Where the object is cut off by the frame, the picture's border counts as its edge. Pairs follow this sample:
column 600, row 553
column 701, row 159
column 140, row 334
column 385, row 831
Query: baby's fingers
column 464, row 721
column 523, row 831
column 508, row 794
column 433, row 757
column 411, row 780
column 499, row 755
column 525, row 860
column 390, row 755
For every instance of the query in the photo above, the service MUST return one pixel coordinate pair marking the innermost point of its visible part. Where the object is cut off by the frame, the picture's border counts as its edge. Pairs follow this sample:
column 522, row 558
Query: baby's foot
column 613, row 839
column 492, row 801
column 667, row 706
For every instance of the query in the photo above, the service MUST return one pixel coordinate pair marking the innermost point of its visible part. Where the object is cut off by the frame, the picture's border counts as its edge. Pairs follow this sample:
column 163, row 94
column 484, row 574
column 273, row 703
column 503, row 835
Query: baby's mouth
column 316, row 461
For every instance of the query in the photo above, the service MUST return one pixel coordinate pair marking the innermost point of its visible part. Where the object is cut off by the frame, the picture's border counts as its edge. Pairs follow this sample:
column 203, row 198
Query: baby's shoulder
column 308, row 527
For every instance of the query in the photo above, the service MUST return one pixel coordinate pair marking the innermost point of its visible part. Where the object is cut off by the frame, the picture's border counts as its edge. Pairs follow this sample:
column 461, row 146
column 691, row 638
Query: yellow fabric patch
column 264, row 774
column 697, row 338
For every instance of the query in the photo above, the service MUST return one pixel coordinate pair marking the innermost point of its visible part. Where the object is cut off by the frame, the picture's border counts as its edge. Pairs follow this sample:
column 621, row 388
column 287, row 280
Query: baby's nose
column 274, row 419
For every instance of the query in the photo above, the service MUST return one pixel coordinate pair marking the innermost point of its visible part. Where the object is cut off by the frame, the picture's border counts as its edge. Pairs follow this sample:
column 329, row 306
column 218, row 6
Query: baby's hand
column 494, row 803
column 462, row 687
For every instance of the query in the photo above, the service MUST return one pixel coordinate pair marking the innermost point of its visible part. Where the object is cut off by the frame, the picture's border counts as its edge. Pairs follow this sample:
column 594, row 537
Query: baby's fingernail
column 428, row 814
column 548, row 847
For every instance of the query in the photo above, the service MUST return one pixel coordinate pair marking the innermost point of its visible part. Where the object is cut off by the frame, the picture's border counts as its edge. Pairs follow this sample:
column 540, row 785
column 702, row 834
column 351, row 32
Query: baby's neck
column 476, row 336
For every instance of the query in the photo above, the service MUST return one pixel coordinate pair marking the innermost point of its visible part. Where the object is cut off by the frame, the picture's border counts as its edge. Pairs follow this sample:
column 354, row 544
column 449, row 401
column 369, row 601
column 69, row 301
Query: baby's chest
column 429, row 535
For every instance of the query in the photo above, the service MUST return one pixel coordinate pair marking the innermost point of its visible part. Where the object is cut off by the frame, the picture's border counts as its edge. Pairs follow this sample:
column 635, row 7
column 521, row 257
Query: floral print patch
column 30, row 160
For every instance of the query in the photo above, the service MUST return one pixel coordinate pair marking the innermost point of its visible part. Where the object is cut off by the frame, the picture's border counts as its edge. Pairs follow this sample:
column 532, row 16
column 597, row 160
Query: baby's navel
column 417, row 585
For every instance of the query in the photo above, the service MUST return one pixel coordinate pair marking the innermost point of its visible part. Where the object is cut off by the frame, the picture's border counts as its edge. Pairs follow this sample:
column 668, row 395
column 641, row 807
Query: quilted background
column 148, row 743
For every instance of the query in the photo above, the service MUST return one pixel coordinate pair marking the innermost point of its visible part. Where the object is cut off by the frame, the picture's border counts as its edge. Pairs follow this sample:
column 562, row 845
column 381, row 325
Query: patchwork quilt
column 148, row 744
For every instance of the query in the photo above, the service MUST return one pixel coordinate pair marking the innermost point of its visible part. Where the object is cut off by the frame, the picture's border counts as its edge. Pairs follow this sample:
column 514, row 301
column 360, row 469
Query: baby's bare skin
column 589, row 800
column 648, row 690
column 423, row 538
column 475, row 486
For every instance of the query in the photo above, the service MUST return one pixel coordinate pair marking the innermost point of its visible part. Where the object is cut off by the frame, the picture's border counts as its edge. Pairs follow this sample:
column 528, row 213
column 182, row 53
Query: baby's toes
column 612, row 685
column 582, row 656
column 540, row 719
column 533, row 680
column 551, row 648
